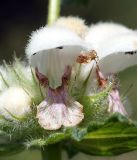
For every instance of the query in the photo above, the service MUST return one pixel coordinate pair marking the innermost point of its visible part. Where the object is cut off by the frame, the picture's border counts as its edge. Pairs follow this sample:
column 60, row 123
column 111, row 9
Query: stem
column 51, row 152
column 53, row 11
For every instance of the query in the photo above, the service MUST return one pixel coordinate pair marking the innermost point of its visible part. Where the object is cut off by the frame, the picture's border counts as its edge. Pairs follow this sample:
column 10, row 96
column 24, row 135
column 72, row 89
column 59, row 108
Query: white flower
column 52, row 52
column 15, row 101
column 115, row 45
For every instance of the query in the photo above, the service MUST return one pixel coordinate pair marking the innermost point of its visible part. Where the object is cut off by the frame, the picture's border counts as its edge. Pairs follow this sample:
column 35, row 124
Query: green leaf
column 76, row 133
column 117, row 135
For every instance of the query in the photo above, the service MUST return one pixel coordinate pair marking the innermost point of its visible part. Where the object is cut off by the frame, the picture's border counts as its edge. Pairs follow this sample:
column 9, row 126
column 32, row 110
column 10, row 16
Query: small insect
column 87, row 57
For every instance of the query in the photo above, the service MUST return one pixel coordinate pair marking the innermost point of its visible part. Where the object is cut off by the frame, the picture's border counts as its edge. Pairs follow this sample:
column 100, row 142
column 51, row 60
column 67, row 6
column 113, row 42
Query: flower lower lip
column 59, row 109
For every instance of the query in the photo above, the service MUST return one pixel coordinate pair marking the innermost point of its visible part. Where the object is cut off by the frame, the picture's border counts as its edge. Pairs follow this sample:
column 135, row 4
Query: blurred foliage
column 19, row 20
column 78, row 2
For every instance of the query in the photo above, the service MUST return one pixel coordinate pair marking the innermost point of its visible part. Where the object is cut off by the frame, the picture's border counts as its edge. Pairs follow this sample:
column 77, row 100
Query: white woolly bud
column 75, row 24
column 14, row 100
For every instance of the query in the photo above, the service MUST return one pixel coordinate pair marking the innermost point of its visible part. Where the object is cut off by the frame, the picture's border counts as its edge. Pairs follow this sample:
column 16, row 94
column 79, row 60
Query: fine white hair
column 116, row 46
column 51, row 37
column 100, row 32
column 14, row 100
column 75, row 24
column 52, row 49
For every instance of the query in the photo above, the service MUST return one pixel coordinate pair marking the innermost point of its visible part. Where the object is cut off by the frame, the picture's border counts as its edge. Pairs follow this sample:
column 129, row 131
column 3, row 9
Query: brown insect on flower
column 87, row 57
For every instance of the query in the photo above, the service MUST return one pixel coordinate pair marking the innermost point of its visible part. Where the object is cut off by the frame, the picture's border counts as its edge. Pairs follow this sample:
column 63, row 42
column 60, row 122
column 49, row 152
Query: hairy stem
column 53, row 11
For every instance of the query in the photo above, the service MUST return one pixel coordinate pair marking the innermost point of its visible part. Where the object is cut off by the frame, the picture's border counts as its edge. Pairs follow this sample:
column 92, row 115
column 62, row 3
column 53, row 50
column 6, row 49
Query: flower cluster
column 68, row 62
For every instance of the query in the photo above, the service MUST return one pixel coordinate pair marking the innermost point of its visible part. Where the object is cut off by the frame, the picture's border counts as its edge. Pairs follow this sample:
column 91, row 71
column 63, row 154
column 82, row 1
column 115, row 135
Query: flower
column 52, row 52
column 116, row 46
column 114, row 101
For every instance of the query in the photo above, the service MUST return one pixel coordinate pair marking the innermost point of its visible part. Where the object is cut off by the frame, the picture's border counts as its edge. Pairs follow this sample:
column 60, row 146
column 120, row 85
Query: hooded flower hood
column 52, row 49
column 115, row 45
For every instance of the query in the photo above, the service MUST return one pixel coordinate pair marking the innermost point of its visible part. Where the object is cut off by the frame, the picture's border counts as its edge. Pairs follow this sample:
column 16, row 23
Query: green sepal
column 95, row 106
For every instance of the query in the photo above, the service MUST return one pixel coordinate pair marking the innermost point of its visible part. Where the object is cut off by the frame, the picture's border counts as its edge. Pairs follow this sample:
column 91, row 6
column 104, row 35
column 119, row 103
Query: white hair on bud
column 16, row 101
column 75, row 24
column 52, row 37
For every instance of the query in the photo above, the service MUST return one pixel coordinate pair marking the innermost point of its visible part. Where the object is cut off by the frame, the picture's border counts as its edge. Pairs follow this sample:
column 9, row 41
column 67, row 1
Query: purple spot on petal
column 59, row 109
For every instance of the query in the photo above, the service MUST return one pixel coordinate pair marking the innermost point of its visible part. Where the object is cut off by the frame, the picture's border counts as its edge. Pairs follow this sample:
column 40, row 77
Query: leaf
column 117, row 135
column 75, row 133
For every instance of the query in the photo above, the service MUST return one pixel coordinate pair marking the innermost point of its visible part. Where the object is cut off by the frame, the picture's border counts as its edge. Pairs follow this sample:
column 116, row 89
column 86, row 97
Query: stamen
column 102, row 80
column 66, row 76
column 42, row 78
column 86, row 57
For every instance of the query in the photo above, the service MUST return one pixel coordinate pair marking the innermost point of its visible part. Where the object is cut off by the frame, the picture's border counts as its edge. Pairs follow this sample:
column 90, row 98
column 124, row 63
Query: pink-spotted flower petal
column 58, row 110
column 115, row 104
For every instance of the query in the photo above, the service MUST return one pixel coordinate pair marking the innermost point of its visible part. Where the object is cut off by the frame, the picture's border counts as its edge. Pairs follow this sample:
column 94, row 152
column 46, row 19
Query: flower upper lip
column 52, row 37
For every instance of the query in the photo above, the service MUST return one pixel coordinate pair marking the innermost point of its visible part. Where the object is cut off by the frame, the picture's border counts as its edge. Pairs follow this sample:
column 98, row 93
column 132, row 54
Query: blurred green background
column 20, row 17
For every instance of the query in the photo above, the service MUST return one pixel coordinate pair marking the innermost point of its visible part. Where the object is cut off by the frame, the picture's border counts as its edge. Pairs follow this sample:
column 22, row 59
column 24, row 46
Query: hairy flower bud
column 16, row 101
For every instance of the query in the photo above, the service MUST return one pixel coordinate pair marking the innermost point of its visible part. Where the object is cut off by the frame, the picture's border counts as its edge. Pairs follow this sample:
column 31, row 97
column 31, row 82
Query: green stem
column 53, row 11
column 51, row 152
